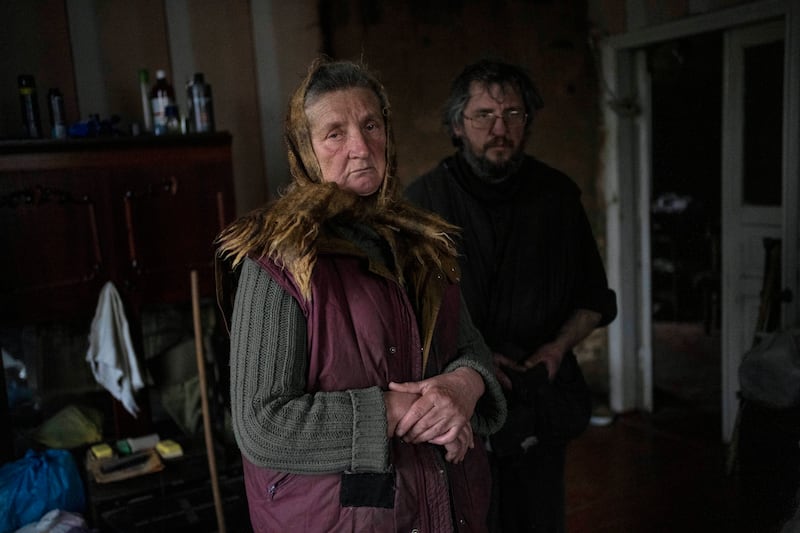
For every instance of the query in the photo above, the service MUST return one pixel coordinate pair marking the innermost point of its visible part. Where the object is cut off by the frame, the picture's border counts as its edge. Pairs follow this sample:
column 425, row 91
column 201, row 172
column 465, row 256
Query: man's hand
column 503, row 363
column 577, row 327
column 550, row 354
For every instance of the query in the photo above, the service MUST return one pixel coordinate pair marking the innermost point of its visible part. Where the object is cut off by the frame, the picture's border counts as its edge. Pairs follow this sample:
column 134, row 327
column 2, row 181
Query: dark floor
column 634, row 476
column 665, row 471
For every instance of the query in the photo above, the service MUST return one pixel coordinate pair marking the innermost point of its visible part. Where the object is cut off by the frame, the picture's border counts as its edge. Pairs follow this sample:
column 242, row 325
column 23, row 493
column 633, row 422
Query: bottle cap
column 199, row 78
column 26, row 80
column 161, row 74
column 144, row 75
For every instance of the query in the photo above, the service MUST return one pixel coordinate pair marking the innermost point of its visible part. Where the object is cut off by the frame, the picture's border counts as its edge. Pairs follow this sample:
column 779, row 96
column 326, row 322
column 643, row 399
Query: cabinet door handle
column 129, row 227
column 98, row 255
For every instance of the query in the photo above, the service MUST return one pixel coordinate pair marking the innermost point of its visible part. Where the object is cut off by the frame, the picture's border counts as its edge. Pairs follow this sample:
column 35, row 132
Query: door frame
column 626, row 177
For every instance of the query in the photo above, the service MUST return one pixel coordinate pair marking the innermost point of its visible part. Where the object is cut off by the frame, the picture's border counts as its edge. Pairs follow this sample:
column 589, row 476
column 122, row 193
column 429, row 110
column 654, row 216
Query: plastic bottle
column 57, row 122
column 29, row 103
column 173, row 120
column 161, row 95
column 144, row 90
column 200, row 105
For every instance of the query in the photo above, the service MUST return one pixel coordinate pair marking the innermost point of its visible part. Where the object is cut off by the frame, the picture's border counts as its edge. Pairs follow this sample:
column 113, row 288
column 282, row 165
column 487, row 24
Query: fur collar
column 292, row 230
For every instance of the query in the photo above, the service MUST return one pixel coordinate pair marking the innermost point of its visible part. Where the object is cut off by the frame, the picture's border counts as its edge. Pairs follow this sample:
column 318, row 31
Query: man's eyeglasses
column 485, row 119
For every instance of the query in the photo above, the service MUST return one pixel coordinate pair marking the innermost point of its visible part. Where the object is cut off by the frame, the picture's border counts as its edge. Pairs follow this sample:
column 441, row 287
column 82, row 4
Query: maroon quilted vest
column 362, row 332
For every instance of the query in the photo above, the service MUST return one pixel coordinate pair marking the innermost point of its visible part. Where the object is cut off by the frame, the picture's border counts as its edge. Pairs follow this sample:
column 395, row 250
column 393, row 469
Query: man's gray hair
column 488, row 72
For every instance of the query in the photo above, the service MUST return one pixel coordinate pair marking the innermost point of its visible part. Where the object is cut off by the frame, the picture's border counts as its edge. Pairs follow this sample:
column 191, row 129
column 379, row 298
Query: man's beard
column 492, row 172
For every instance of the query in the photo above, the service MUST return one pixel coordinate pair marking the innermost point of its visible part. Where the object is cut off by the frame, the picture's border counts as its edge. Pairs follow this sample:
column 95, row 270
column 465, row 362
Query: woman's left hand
column 456, row 450
column 444, row 408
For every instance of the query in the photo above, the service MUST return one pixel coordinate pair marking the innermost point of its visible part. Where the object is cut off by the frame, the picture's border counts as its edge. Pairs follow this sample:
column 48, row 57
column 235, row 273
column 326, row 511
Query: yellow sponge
column 102, row 451
column 169, row 449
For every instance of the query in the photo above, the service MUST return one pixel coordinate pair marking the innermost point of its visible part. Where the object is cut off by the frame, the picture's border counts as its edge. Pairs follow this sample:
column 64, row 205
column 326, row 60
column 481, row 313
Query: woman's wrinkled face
column 349, row 139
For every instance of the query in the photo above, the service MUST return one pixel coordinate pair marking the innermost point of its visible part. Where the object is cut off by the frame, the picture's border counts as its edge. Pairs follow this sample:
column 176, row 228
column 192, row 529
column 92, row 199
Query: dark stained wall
column 419, row 47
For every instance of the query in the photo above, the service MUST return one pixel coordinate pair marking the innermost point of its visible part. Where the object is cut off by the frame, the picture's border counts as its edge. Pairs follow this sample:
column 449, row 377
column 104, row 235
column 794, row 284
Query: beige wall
column 287, row 38
column 34, row 40
column 222, row 43
column 130, row 36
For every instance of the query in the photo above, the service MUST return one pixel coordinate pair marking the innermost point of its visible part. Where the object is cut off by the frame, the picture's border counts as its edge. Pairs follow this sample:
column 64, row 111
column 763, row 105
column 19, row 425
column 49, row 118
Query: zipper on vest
column 273, row 489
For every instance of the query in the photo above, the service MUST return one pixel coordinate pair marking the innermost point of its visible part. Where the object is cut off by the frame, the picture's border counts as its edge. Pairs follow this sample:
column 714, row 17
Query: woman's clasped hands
column 436, row 410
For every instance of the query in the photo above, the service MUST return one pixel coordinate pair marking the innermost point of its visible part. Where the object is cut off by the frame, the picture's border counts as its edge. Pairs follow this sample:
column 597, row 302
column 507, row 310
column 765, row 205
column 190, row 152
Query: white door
column 752, row 188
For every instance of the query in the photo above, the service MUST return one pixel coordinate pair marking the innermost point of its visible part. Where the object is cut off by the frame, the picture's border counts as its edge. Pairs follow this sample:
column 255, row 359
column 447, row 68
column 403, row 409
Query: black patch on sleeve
column 367, row 490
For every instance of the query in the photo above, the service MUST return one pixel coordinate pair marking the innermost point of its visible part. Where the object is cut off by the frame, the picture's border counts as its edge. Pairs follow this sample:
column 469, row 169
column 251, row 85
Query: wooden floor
column 667, row 471
column 635, row 475
column 663, row 471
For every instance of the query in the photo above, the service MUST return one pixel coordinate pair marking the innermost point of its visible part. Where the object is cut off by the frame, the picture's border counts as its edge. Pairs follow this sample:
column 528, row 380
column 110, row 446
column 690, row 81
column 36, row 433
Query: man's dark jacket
column 527, row 253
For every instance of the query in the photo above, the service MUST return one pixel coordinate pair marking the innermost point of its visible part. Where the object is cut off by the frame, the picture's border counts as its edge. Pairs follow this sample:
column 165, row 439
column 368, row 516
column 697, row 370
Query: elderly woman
column 358, row 380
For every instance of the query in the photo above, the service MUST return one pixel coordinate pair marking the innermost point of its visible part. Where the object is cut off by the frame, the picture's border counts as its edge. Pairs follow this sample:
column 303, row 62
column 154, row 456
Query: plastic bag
column 36, row 484
column 71, row 427
column 770, row 372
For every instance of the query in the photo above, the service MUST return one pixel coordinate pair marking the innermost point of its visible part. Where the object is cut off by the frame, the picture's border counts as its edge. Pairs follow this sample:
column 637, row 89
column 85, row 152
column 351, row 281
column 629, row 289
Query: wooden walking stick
column 201, row 373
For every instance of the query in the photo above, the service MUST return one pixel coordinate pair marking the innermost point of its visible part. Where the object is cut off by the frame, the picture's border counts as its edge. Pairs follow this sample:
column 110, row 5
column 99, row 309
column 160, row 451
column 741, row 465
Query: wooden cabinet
column 140, row 212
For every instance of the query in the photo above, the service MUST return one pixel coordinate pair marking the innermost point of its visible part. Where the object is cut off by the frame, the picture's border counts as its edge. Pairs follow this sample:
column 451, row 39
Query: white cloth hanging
column 111, row 354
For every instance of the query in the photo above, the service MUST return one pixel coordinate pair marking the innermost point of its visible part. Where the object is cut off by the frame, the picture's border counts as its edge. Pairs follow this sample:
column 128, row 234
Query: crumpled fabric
column 57, row 521
column 111, row 355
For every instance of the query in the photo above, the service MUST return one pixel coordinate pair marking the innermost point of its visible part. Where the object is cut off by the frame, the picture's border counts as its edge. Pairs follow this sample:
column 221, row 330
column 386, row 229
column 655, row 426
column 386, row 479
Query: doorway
column 685, row 221
column 627, row 179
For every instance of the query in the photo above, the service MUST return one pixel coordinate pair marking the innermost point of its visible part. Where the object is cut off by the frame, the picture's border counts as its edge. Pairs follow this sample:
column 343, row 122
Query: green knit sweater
column 279, row 426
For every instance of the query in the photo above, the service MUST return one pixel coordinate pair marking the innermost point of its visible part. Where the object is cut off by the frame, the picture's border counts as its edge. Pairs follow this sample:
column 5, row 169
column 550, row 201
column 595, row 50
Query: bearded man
column 533, row 280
